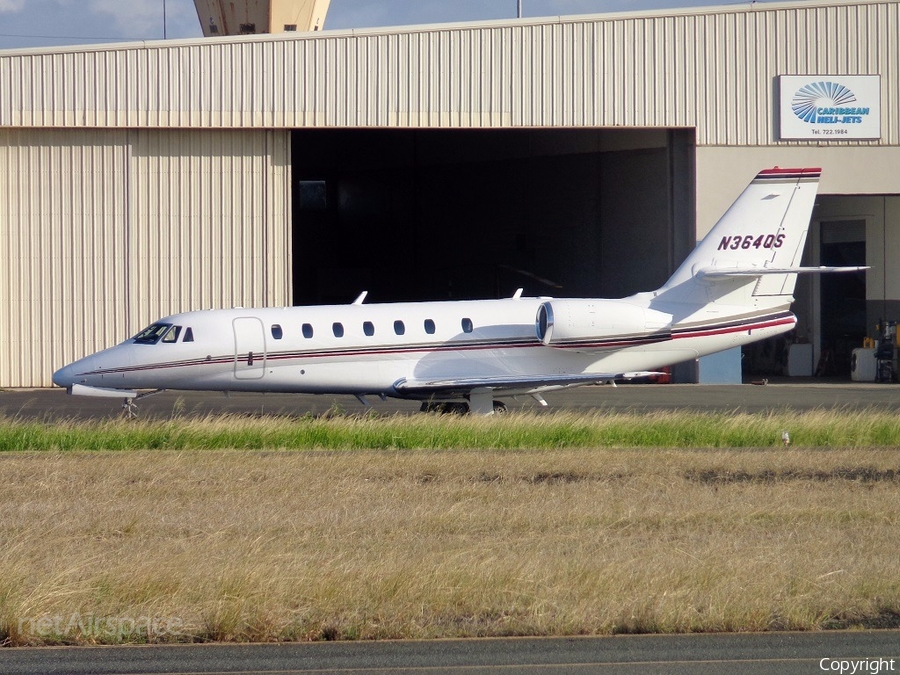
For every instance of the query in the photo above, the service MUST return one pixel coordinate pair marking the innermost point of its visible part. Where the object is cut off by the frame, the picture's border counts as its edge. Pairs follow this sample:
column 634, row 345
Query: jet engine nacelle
column 587, row 322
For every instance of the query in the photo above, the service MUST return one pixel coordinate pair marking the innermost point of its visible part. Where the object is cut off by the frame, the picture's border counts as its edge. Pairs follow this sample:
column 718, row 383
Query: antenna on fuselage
column 361, row 298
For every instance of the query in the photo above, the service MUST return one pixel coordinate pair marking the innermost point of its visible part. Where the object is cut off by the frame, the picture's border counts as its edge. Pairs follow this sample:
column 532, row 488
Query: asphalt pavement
column 709, row 654
column 807, row 394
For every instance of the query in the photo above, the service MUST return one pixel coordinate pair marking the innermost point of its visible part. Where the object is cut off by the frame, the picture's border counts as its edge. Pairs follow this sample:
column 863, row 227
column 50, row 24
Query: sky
column 51, row 23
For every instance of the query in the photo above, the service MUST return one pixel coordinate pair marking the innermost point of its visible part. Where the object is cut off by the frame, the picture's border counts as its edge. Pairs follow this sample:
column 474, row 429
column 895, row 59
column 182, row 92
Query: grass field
column 847, row 429
column 585, row 526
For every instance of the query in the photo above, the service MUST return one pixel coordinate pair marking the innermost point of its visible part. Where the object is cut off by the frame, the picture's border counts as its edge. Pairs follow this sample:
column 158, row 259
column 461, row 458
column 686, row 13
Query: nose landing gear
column 130, row 409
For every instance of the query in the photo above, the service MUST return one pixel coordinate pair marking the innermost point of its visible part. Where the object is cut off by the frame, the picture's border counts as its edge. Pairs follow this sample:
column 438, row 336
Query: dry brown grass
column 319, row 545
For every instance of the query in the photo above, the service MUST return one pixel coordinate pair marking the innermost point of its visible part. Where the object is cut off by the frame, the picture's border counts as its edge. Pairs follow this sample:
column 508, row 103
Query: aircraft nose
column 64, row 377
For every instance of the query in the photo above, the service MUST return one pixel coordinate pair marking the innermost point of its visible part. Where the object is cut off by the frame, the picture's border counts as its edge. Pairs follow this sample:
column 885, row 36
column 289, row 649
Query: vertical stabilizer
column 765, row 229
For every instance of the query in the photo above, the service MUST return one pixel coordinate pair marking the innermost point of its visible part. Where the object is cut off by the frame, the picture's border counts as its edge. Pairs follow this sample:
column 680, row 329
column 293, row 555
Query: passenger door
column 249, row 348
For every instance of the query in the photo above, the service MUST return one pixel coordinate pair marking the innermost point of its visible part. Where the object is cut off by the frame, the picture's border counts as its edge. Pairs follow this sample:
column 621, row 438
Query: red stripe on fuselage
column 482, row 346
column 735, row 329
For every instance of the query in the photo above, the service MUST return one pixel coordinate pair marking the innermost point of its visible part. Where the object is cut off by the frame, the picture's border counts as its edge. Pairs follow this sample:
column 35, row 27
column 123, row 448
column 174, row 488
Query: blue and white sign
column 830, row 107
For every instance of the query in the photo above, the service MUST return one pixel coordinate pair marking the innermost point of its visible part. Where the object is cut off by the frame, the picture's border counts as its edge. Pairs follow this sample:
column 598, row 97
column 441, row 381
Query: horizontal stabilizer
column 714, row 273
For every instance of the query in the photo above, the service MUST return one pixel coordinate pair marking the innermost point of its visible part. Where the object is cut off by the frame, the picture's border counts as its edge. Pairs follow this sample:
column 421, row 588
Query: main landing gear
column 459, row 408
column 445, row 407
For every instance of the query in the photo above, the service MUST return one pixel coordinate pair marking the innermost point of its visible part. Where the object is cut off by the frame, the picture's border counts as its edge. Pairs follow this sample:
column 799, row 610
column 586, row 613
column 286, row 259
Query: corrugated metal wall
column 63, row 224
column 103, row 231
column 211, row 221
column 713, row 69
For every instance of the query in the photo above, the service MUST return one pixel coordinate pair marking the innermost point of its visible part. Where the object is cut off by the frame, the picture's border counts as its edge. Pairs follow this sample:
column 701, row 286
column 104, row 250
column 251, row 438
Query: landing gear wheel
column 444, row 407
column 129, row 409
column 500, row 408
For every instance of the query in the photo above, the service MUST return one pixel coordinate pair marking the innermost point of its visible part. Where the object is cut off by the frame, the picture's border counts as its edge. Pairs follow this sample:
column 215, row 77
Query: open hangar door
column 836, row 312
column 419, row 214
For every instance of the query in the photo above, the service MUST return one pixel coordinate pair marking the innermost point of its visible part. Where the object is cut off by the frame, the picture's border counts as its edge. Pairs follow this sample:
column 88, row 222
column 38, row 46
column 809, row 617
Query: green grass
column 510, row 432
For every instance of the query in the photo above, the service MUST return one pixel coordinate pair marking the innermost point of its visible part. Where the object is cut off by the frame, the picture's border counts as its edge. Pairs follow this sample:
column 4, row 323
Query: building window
column 338, row 329
column 290, row 28
column 307, row 330
column 429, row 326
column 277, row 333
column 399, row 328
column 368, row 328
column 467, row 326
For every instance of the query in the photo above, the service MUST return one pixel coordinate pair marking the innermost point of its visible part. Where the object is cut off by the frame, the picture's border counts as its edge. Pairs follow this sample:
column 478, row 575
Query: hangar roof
column 712, row 68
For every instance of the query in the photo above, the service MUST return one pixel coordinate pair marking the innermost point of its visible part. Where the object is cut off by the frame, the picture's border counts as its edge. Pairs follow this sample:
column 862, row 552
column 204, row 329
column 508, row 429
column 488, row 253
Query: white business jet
column 735, row 288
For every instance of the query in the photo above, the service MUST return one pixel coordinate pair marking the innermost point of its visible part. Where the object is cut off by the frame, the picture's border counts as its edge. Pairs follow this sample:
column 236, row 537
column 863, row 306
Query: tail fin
column 765, row 230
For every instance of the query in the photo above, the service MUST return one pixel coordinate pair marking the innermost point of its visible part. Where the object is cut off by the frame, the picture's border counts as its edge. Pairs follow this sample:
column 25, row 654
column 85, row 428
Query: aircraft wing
column 527, row 384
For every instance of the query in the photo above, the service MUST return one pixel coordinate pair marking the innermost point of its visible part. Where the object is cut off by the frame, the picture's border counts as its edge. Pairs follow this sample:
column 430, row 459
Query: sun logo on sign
column 819, row 94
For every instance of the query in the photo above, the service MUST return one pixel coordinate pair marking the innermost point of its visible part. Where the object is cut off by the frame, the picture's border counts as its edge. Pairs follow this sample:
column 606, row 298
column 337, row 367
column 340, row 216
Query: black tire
column 445, row 407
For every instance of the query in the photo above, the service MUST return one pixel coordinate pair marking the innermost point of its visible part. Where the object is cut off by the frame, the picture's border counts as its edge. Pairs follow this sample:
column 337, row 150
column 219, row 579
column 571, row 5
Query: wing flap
column 527, row 384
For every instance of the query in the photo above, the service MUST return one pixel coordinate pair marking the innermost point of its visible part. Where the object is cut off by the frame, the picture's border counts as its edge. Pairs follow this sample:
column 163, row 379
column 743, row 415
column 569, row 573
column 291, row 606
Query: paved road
column 742, row 654
column 54, row 404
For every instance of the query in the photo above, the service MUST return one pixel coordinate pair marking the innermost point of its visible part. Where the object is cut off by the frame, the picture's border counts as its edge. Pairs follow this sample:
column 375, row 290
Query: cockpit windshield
column 152, row 334
column 172, row 334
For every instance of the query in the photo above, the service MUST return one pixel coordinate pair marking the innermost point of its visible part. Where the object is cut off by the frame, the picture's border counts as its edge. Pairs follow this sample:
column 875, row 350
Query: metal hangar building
column 573, row 156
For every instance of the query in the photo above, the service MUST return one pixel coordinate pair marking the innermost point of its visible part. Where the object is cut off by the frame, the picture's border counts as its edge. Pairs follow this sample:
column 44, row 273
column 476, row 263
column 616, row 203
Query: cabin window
column 368, row 328
column 277, row 333
column 338, row 329
column 188, row 335
column 429, row 326
column 152, row 333
column 307, row 330
column 467, row 325
column 172, row 334
column 399, row 328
